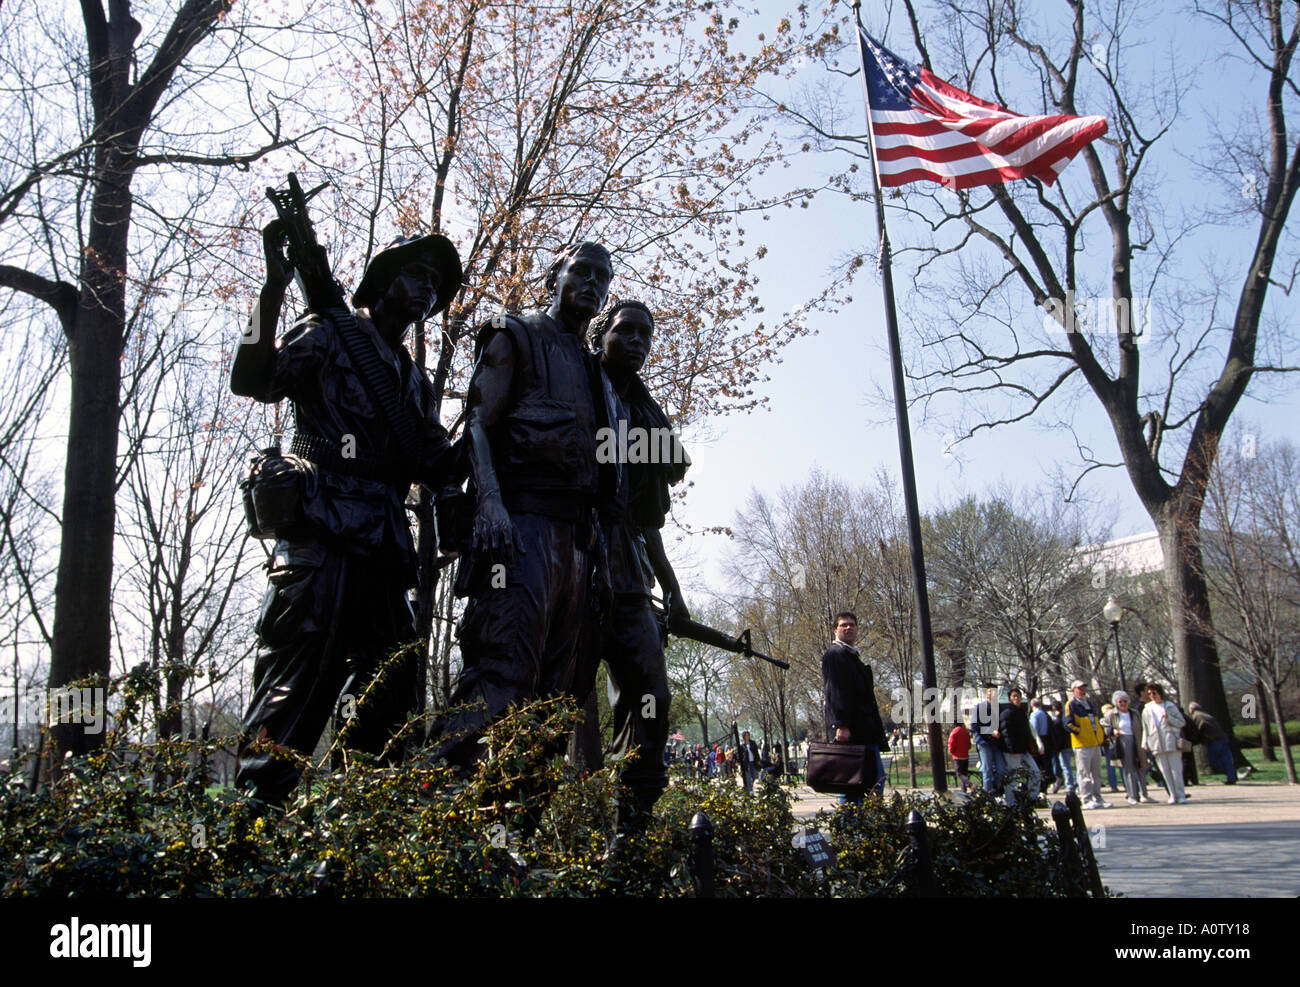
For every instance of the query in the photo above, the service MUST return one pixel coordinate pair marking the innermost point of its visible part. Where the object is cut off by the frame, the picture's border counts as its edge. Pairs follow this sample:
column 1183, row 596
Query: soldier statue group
column 564, row 546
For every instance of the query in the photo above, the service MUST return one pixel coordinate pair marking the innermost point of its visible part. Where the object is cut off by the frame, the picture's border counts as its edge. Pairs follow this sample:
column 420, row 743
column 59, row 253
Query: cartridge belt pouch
column 273, row 493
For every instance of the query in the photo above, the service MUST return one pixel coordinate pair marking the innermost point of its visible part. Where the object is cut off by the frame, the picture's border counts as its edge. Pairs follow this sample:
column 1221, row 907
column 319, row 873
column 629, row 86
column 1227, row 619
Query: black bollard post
column 1071, row 876
column 321, row 883
column 924, row 862
column 702, row 854
column 1087, row 859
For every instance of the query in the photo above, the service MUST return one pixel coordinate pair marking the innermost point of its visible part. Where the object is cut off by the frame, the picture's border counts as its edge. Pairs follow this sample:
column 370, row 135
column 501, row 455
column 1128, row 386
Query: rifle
column 695, row 631
column 324, row 296
column 311, row 267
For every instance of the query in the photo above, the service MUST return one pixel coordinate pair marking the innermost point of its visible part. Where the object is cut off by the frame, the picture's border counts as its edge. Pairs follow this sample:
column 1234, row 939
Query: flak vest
column 544, row 447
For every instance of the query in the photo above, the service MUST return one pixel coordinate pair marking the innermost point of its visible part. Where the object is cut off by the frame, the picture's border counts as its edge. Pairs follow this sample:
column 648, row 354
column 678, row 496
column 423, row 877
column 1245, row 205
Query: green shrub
column 979, row 849
column 133, row 820
column 1248, row 733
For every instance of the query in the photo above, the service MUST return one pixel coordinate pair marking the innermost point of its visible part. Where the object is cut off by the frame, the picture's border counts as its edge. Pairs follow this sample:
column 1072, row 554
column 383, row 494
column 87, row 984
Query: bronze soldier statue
column 337, row 606
column 530, row 434
column 649, row 459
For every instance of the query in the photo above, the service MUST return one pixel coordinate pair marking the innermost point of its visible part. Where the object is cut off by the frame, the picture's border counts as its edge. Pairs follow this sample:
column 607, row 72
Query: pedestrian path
column 1225, row 842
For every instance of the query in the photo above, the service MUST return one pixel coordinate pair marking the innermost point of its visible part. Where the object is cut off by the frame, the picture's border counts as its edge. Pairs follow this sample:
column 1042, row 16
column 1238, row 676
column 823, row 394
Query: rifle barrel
column 705, row 634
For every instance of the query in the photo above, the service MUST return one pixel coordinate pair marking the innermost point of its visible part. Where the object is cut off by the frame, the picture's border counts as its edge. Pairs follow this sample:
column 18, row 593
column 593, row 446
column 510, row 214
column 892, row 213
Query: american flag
column 927, row 130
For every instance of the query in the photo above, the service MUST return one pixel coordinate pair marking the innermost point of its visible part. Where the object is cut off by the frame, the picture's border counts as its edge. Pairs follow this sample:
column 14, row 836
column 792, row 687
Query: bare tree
column 515, row 130
column 32, row 368
column 993, row 255
column 799, row 559
column 182, row 607
column 101, row 111
column 700, row 673
column 892, row 630
column 1252, row 564
column 819, row 549
column 1024, row 570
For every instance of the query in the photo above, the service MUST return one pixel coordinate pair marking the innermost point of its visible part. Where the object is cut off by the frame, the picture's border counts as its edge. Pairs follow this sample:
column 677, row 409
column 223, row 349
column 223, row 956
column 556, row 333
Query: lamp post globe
column 1112, row 611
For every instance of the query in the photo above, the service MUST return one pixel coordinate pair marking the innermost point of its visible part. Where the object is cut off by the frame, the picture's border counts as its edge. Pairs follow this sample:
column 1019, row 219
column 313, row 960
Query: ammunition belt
column 328, row 454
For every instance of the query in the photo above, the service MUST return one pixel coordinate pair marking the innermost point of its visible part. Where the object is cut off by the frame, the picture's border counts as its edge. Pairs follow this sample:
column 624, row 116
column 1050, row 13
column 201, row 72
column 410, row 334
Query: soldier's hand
column 677, row 608
column 494, row 532
column 274, row 241
column 841, row 735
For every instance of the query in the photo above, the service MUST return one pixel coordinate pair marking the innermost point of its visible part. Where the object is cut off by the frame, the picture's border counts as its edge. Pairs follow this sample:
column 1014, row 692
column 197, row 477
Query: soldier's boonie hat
column 385, row 264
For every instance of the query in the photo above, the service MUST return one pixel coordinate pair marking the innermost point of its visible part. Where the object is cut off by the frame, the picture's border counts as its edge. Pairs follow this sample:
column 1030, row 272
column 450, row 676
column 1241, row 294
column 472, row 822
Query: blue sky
column 825, row 407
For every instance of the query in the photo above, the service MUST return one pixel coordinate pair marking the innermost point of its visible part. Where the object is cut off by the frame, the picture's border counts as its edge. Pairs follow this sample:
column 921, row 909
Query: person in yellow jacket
column 1086, row 736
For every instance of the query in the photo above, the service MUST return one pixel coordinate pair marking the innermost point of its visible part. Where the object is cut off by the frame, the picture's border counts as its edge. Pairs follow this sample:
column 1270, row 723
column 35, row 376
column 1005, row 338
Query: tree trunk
column 449, row 611
column 1196, row 654
column 957, row 665
column 1283, row 741
column 425, row 593
column 585, row 748
column 1265, row 740
column 124, row 94
column 426, row 548
column 170, row 720
column 83, row 586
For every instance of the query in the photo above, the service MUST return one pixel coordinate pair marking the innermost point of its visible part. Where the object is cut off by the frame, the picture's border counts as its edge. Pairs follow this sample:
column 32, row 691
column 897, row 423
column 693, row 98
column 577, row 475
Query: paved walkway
column 1240, row 841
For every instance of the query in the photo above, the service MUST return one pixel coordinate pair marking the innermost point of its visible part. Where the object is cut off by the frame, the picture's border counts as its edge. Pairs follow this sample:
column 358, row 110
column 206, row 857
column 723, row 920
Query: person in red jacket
column 959, row 748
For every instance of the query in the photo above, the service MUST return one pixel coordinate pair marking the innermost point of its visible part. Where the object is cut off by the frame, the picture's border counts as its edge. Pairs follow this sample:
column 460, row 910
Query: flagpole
column 929, row 678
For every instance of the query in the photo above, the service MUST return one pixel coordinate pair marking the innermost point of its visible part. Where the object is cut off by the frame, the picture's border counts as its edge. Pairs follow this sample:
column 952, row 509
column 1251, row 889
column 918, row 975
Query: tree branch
column 59, row 295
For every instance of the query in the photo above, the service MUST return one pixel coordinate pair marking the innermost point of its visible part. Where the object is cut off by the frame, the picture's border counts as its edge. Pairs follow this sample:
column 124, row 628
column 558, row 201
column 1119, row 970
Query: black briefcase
column 840, row 769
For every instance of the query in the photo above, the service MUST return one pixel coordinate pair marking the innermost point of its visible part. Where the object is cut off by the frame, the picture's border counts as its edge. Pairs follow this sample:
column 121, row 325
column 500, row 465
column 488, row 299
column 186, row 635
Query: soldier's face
column 626, row 343
column 582, row 284
column 413, row 291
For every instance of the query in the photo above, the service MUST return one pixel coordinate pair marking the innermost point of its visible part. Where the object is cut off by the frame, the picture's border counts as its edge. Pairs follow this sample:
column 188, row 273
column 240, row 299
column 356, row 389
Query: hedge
column 135, row 820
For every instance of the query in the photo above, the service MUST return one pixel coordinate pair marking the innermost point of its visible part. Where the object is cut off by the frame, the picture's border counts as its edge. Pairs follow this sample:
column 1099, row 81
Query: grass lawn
column 1268, row 772
column 1248, row 733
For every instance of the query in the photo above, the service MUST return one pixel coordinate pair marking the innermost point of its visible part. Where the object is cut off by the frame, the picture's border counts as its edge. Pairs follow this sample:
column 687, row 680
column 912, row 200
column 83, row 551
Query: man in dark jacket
column 1062, row 756
column 986, row 731
column 751, row 762
column 852, row 716
column 1018, row 742
column 1040, row 725
column 1215, row 739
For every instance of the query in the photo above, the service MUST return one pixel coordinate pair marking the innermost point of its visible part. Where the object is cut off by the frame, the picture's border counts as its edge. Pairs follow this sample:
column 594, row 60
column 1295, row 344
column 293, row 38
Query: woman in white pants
column 1162, row 724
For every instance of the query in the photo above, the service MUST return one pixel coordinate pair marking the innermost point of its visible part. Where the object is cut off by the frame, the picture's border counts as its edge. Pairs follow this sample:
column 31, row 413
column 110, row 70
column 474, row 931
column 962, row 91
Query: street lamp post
column 1112, row 612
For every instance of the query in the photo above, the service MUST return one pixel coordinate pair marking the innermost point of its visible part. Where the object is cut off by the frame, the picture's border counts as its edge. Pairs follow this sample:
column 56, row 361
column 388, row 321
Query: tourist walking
column 1062, row 755
column 959, row 748
column 1018, row 745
